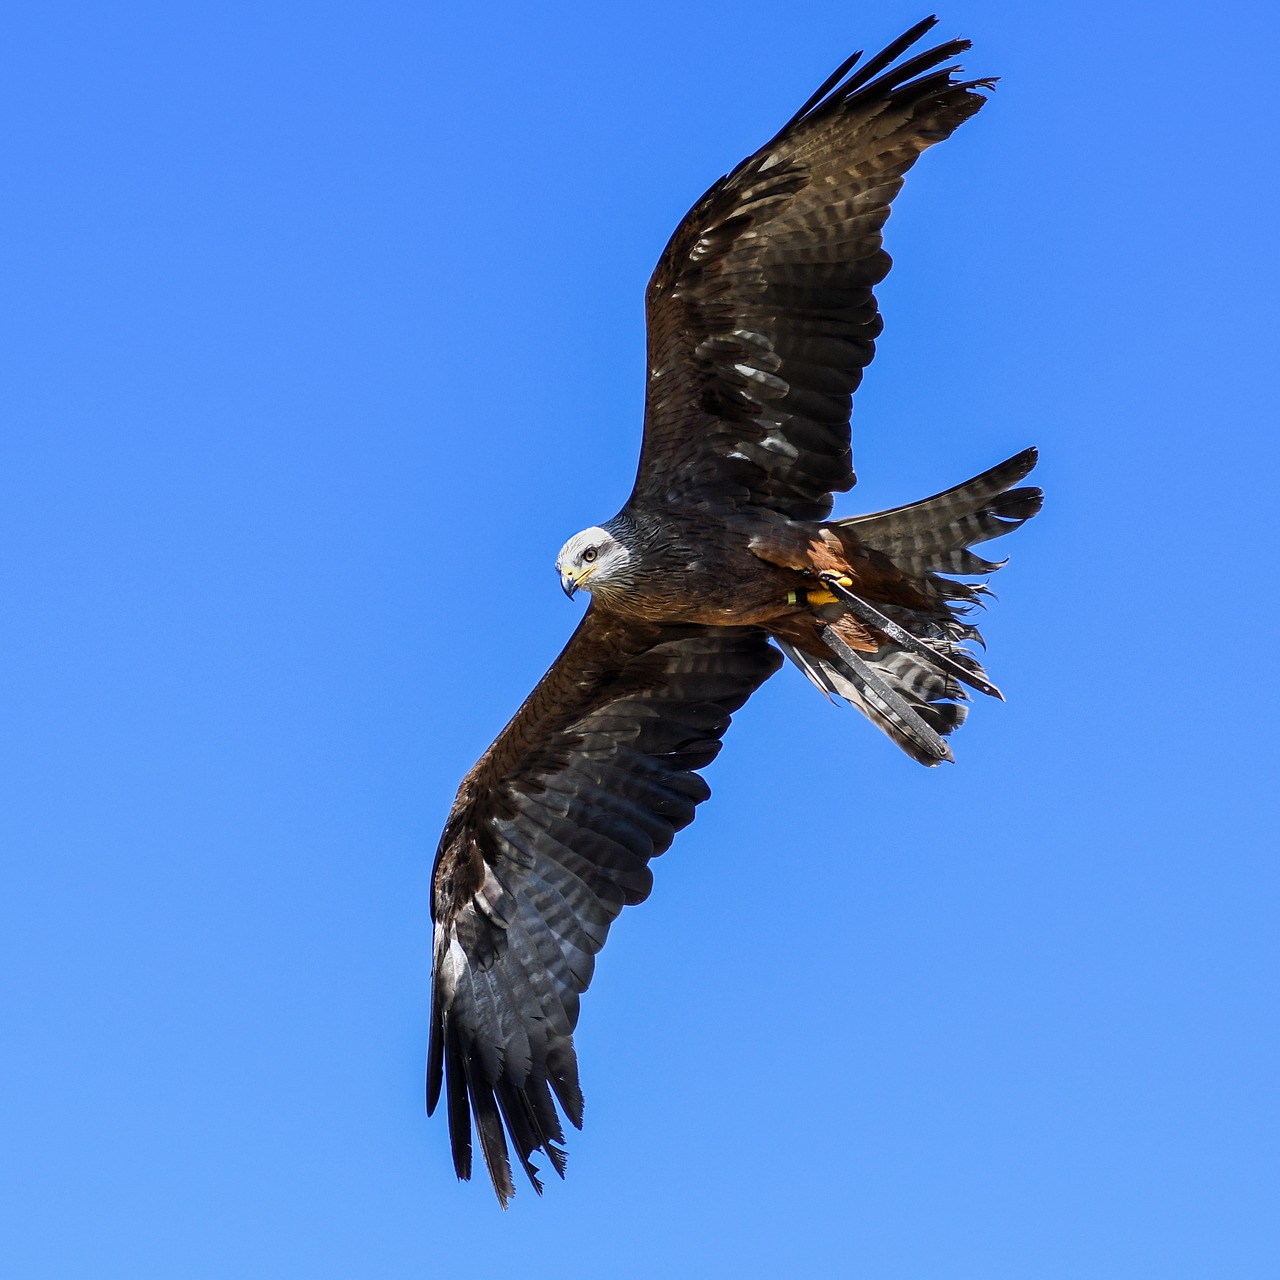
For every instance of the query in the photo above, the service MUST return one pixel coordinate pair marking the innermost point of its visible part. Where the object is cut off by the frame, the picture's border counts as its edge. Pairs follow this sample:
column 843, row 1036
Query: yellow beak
column 571, row 579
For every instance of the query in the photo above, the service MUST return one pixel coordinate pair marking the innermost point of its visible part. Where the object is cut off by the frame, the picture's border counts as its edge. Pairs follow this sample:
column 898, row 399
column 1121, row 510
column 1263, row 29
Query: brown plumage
column 761, row 320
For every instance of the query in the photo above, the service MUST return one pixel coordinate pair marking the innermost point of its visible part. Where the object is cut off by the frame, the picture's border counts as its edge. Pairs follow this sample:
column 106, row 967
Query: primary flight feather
column 761, row 319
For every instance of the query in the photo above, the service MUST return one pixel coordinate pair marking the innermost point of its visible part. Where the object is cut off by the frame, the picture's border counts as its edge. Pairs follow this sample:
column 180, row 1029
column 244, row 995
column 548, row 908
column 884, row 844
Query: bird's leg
column 868, row 613
column 872, row 686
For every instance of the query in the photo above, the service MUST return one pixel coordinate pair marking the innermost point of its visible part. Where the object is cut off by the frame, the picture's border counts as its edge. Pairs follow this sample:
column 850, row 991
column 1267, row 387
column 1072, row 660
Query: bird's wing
column 550, row 836
column 761, row 315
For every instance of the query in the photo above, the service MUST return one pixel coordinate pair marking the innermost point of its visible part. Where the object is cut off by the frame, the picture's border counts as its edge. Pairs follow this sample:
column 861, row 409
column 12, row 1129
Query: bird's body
column 689, row 567
column 752, row 568
column 762, row 317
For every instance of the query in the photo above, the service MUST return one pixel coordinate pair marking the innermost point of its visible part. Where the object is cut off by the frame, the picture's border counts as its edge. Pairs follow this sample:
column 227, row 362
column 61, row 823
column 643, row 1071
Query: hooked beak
column 568, row 582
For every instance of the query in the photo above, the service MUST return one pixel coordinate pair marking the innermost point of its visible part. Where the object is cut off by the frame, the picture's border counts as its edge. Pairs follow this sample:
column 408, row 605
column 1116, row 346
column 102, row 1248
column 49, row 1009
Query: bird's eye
column 590, row 554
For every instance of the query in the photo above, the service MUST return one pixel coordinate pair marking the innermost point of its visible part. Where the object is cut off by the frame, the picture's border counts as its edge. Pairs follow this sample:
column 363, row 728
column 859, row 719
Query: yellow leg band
column 819, row 595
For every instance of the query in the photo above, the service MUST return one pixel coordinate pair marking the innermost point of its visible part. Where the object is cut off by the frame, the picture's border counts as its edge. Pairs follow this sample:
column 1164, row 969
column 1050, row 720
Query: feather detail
column 761, row 311
column 592, row 779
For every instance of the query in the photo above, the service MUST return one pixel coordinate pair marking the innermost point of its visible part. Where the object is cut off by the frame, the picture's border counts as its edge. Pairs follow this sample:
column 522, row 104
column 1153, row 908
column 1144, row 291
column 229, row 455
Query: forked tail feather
column 912, row 685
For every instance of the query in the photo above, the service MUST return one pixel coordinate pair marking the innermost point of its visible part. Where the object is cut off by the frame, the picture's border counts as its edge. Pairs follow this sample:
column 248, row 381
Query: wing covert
column 761, row 311
column 550, row 836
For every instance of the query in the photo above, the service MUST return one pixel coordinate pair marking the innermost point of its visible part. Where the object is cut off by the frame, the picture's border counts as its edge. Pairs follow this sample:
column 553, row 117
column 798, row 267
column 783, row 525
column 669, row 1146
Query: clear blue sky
column 322, row 330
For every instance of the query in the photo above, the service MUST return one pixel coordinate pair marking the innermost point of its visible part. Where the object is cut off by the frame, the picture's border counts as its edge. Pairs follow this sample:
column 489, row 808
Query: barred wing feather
column 550, row 837
column 761, row 311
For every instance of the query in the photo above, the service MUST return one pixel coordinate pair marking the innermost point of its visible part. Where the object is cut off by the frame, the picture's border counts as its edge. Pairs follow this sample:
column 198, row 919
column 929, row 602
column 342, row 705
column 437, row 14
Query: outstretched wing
column 761, row 313
column 549, row 838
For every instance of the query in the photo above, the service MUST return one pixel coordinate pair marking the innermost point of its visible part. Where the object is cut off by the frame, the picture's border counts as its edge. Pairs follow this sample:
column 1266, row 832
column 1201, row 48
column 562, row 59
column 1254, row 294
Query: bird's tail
column 913, row 684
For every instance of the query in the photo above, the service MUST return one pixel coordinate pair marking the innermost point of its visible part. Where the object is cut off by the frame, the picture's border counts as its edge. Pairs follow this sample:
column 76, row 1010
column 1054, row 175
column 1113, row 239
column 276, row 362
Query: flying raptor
column 761, row 318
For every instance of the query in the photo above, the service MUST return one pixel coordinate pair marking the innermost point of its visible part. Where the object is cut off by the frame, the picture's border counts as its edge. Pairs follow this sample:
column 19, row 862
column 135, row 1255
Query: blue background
column 322, row 330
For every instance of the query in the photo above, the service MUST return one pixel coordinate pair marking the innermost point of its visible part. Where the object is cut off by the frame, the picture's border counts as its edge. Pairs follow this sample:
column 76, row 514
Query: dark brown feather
column 550, row 836
column 761, row 311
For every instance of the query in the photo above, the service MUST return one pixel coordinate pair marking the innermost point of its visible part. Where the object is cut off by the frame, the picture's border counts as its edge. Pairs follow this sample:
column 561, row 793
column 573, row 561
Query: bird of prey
column 761, row 318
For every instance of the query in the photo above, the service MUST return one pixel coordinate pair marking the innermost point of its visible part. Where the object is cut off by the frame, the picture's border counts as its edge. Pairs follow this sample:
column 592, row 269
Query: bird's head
column 595, row 558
